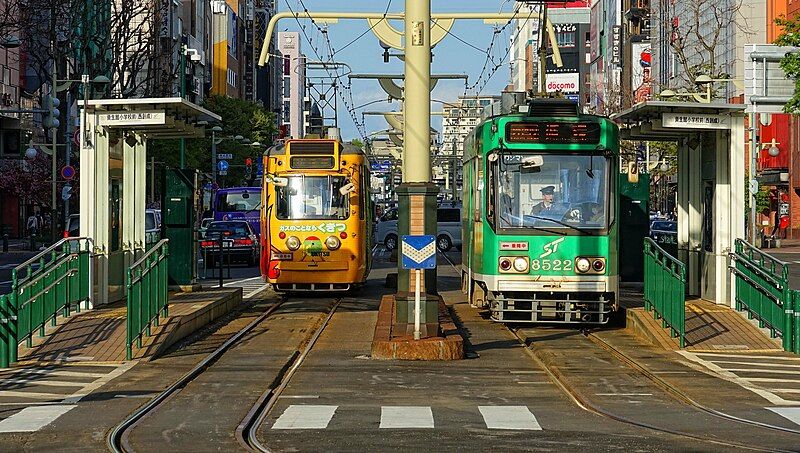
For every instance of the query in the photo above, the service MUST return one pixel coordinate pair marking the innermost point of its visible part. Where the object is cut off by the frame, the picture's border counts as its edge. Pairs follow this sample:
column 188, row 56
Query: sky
column 366, row 56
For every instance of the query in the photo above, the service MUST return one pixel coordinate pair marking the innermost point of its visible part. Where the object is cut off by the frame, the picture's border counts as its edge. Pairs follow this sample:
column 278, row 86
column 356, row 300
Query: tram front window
column 562, row 193
column 312, row 198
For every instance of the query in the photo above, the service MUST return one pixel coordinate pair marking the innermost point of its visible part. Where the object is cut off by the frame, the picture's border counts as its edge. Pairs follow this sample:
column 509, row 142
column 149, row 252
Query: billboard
column 641, row 81
column 565, row 83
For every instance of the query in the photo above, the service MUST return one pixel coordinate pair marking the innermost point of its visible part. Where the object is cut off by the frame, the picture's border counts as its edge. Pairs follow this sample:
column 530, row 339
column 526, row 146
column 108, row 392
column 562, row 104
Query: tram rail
column 585, row 404
column 247, row 431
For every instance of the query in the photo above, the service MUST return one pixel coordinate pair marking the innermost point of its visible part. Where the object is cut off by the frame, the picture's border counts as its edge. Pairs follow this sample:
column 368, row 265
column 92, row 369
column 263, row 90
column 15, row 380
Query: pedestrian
column 33, row 225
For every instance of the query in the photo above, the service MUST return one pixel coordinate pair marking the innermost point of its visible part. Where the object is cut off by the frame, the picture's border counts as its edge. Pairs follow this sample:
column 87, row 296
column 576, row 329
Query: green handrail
column 762, row 289
column 147, row 295
column 665, row 289
column 53, row 282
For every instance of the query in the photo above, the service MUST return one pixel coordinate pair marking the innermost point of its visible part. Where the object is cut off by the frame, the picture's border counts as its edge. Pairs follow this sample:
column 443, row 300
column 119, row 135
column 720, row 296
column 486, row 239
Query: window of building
column 287, row 87
column 286, row 110
column 566, row 39
column 287, row 65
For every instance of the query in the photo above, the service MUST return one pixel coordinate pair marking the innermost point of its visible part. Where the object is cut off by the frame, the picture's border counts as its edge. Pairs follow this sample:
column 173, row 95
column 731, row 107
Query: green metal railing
column 762, row 289
column 665, row 289
column 56, row 281
column 147, row 294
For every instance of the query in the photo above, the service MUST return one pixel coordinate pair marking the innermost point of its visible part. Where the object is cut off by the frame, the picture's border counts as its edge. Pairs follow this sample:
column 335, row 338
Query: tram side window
column 313, row 198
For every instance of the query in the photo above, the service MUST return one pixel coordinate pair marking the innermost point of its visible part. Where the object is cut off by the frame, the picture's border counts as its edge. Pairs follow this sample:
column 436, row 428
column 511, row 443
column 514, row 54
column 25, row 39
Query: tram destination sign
column 133, row 118
column 553, row 132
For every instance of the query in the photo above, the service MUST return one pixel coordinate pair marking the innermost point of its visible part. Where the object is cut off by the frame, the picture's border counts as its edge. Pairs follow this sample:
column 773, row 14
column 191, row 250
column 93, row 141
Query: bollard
column 33, row 243
column 5, row 243
column 219, row 261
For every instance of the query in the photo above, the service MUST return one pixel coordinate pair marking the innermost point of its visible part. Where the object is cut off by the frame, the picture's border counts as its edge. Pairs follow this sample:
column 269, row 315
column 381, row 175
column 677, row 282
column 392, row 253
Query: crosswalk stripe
column 33, row 418
column 305, row 417
column 406, row 417
column 42, row 382
column 762, row 370
column 778, row 365
column 32, row 395
column 509, row 417
column 757, row 379
column 64, row 373
column 713, row 356
column 790, row 413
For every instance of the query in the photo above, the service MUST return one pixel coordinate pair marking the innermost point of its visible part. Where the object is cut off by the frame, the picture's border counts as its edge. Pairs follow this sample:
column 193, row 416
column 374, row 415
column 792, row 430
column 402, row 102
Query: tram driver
column 547, row 204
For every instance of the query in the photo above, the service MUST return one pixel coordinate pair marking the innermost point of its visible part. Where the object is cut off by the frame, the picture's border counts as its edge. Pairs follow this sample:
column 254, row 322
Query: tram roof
column 346, row 149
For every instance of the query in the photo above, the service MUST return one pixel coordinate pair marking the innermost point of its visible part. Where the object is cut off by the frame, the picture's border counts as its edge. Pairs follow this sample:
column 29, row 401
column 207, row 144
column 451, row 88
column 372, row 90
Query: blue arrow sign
column 222, row 165
column 419, row 252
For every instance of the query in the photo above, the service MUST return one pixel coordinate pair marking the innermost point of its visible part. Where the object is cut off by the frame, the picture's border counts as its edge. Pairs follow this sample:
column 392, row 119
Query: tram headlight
column 293, row 243
column 582, row 265
column 520, row 264
column 332, row 243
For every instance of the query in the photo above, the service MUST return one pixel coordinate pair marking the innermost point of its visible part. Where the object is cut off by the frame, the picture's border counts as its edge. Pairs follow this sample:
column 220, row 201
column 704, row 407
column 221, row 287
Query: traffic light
column 248, row 168
column 50, row 103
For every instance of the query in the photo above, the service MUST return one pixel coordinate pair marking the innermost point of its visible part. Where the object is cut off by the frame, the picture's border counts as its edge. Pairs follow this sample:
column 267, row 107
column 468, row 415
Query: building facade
column 294, row 85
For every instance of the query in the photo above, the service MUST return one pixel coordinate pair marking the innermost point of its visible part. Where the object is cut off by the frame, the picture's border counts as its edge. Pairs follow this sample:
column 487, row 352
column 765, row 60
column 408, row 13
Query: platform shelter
column 711, row 184
column 113, row 156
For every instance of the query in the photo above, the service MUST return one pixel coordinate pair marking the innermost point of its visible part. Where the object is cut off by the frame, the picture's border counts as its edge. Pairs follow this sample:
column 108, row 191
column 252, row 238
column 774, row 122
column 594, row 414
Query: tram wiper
column 581, row 230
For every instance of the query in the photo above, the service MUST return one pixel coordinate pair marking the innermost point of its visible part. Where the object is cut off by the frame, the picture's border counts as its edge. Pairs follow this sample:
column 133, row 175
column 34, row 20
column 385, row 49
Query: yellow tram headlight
column 333, row 243
column 292, row 243
column 582, row 265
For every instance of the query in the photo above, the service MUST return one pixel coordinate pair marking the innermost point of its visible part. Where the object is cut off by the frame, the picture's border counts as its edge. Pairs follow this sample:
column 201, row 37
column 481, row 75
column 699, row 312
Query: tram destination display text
column 553, row 132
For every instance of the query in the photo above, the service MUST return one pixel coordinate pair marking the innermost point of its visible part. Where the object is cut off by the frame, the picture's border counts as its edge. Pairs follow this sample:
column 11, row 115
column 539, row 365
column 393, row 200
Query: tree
column 791, row 61
column 28, row 180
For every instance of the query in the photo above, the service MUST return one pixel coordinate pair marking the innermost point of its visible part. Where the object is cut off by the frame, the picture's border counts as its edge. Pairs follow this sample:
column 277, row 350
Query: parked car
column 240, row 242
column 448, row 228
column 664, row 231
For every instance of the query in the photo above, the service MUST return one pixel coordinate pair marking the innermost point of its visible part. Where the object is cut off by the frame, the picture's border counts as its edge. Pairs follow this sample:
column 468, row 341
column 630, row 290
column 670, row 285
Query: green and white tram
column 538, row 220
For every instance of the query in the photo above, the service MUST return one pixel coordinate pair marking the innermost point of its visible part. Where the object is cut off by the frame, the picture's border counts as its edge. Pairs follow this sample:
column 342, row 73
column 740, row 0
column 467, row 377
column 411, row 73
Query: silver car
column 447, row 236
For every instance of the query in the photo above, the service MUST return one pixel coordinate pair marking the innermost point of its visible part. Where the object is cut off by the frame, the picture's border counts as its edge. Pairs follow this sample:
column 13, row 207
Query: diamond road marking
column 509, row 417
column 305, row 417
column 406, row 417
column 33, row 418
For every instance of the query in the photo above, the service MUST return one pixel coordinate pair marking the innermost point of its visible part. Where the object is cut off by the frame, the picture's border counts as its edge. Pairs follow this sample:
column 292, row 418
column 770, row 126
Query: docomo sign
column 564, row 83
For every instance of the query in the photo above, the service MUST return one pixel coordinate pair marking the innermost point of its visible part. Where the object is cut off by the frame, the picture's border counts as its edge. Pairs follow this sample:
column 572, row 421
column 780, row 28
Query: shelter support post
column 94, row 200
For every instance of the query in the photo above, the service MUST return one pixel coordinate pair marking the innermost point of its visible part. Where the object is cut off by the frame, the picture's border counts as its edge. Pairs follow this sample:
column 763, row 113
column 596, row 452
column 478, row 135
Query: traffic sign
column 67, row 172
column 76, row 137
column 419, row 252
column 66, row 192
column 224, row 156
column 222, row 165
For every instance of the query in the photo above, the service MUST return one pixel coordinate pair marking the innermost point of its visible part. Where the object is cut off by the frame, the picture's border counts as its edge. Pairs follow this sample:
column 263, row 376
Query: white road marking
column 46, row 383
column 305, row 417
column 253, row 293
column 509, row 417
column 779, row 365
column 790, row 413
column 786, row 390
column 96, row 384
column 713, row 355
column 533, row 382
column 299, row 396
column 64, row 373
column 406, row 417
column 763, row 370
column 32, row 395
column 624, row 394
column 759, row 379
column 526, row 372
column 33, row 419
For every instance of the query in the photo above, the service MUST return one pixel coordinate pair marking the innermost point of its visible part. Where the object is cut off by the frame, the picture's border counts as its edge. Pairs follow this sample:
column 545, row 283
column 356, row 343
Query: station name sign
column 695, row 121
column 135, row 118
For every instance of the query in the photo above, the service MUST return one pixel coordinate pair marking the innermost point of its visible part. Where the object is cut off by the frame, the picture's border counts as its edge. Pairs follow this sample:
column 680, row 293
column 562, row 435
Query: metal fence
column 56, row 281
column 147, row 294
column 762, row 289
column 665, row 289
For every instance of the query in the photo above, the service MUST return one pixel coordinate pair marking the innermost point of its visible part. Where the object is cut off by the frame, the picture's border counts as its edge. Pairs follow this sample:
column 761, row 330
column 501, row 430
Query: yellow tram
column 316, row 217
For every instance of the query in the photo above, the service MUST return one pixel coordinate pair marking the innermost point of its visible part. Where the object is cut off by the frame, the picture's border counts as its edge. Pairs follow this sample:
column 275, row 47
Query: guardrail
column 147, row 295
column 762, row 289
column 54, row 282
column 665, row 289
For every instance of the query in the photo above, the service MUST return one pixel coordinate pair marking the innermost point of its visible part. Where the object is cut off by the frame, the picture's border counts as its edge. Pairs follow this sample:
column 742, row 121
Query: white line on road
column 305, row 417
column 27, row 371
column 789, row 413
column 32, row 395
column 762, row 370
column 406, row 417
column 33, row 418
column 778, row 365
column 624, row 394
column 253, row 293
column 45, row 382
column 759, row 379
column 96, row 384
column 714, row 355
column 509, row 417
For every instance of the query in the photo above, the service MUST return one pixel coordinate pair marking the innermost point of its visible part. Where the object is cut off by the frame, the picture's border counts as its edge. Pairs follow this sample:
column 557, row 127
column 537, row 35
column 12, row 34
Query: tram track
column 247, row 431
column 584, row 403
column 118, row 439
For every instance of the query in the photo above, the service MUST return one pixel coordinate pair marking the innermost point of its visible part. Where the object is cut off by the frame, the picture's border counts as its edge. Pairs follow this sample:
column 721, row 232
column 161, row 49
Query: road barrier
column 665, row 289
column 147, row 294
column 762, row 289
column 56, row 281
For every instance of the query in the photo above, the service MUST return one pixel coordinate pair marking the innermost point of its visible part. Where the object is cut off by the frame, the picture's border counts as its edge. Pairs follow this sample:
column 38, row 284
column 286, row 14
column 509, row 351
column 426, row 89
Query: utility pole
column 183, row 96
column 54, row 142
column 543, row 53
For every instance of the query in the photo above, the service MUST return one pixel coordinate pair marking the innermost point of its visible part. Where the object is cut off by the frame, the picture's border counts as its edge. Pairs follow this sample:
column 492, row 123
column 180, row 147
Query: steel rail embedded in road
column 677, row 393
column 247, row 431
column 117, row 440
column 579, row 400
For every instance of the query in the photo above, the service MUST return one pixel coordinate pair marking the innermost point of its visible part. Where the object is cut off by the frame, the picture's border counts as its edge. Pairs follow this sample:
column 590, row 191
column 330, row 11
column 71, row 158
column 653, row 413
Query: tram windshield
column 312, row 198
column 561, row 193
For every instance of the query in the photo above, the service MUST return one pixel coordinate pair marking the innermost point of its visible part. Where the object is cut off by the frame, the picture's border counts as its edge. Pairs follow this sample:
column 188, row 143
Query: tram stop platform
column 709, row 328
column 99, row 335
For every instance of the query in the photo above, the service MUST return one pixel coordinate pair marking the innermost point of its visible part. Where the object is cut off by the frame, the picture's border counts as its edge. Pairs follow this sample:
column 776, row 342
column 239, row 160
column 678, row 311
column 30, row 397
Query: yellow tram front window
column 313, row 198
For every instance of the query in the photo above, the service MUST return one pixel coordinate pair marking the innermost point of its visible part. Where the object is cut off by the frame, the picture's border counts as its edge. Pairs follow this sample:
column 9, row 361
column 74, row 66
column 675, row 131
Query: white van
column 448, row 226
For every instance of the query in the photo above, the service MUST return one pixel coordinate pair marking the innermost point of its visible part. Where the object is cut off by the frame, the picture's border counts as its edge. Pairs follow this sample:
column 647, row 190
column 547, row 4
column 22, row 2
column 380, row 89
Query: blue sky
column 365, row 56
